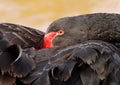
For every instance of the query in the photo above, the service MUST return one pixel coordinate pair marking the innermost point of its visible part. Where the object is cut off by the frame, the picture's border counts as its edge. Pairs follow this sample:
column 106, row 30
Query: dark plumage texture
column 22, row 35
column 17, row 45
column 98, row 26
column 88, row 63
column 91, row 55
column 14, row 63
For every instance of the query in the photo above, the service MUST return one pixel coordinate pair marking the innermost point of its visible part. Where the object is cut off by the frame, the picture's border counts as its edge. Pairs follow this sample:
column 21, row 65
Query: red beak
column 48, row 38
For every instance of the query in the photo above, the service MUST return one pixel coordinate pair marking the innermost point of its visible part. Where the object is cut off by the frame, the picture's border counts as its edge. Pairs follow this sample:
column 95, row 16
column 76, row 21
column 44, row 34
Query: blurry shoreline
column 39, row 14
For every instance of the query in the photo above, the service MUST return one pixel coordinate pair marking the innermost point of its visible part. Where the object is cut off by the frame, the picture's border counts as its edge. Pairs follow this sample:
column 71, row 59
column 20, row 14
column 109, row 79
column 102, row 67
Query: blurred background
column 40, row 13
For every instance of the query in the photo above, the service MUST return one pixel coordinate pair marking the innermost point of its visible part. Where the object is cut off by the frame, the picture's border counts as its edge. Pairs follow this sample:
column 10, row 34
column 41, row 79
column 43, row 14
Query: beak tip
column 60, row 32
